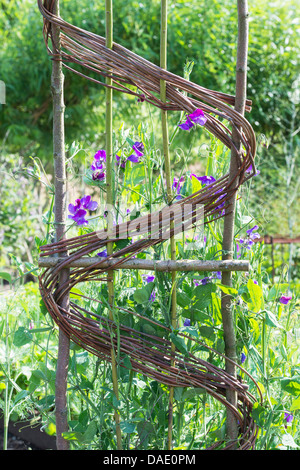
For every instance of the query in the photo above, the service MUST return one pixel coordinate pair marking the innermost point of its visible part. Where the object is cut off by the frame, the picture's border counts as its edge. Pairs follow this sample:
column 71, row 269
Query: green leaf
column 145, row 430
column 295, row 405
column 291, row 385
column 179, row 343
column 228, row 290
column 127, row 426
column 90, row 432
column 256, row 296
column 6, row 276
column 259, row 414
column 203, row 295
column 21, row 396
column 271, row 320
column 127, row 363
column 21, row 337
column 207, row 331
column 183, row 299
column 142, row 295
column 75, row 293
column 189, row 330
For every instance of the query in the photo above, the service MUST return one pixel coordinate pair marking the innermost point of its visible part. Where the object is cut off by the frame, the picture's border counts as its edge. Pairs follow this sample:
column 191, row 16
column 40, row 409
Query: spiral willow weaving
column 149, row 355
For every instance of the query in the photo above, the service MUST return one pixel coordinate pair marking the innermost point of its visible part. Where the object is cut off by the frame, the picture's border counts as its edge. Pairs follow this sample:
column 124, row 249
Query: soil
column 15, row 443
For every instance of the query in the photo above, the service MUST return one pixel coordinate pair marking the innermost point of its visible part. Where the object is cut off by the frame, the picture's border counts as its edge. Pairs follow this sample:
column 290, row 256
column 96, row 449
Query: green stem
column 109, row 200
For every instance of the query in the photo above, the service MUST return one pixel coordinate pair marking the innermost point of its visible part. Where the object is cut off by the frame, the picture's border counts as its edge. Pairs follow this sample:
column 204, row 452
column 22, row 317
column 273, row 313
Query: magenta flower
column 138, row 148
column 251, row 234
column 141, row 98
column 102, row 254
column 204, row 179
column 99, row 160
column 288, row 417
column 148, row 277
column 79, row 210
column 152, row 296
column 196, row 117
column 249, row 241
column 284, row 299
column 177, row 186
column 250, row 170
column 120, row 162
column 187, row 125
column 99, row 175
column 134, row 158
column 206, row 280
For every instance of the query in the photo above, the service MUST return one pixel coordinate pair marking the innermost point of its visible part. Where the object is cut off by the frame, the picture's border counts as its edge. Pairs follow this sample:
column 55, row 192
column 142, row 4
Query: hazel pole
column 109, row 200
column 57, row 89
column 165, row 137
column 228, row 229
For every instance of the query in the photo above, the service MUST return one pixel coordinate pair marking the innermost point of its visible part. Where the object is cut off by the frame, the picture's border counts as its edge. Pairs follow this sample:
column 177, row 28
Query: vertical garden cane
column 57, row 84
column 228, row 230
column 165, row 136
column 109, row 200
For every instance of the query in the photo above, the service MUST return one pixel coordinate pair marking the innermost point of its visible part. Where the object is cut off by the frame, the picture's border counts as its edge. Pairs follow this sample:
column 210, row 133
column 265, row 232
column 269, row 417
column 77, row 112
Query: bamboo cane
column 109, row 200
column 57, row 84
column 165, row 136
column 228, row 230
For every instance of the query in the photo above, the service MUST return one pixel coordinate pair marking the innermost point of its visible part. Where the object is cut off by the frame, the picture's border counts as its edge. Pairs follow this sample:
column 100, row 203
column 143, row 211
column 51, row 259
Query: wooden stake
column 187, row 265
column 228, row 231
column 57, row 87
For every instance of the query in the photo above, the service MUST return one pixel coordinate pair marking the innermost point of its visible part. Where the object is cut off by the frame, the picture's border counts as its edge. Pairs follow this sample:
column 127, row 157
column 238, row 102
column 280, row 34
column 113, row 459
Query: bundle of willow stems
column 149, row 355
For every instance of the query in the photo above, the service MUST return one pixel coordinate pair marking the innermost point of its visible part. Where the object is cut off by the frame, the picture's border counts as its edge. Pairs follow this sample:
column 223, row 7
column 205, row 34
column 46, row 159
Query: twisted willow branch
column 149, row 355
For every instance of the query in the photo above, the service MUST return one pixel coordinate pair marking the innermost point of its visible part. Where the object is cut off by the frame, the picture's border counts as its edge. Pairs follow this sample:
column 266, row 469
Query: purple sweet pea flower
column 206, row 280
column 141, row 98
column 177, row 186
column 187, row 125
column 217, row 275
column 204, row 179
column 249, row 241
column 99, row 175
column 152, row 296
column 87, row 203
column 134, row 158
column 187, row 322
column 284, row 299
column 251, row 234
column 138, row 147
column 99, row 160
column 243, row 358
column 148, row 277
column 250, row 170
column 120, row 162
column 78, row 216
column 288, row 417
column 102, row 254
column 196, row 117
column 79, row 210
